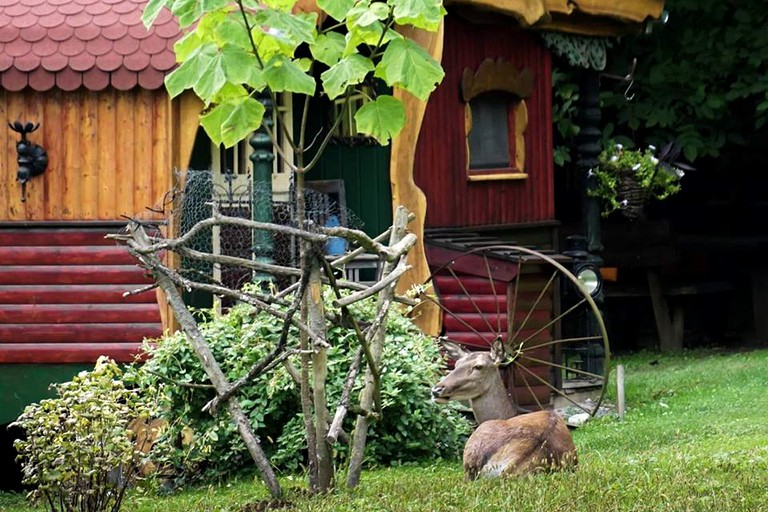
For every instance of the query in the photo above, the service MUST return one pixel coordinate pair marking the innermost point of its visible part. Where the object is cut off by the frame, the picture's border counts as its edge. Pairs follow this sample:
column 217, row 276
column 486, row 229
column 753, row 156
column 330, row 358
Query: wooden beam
column 405, row 192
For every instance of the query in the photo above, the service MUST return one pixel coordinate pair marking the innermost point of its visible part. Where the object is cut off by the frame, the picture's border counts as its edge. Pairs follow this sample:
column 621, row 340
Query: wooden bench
column 668, row 309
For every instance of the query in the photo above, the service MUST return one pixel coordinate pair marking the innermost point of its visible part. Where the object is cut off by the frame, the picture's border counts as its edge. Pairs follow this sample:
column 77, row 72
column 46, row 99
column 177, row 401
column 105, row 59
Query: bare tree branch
column 341, row 410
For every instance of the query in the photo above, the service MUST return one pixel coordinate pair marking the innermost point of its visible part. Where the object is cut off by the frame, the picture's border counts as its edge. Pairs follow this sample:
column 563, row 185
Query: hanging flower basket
column 631, row 194
column 625, row 180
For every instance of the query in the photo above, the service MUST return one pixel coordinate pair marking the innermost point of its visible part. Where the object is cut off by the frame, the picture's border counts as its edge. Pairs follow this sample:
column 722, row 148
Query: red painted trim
column 470, row 264
column 79, row 313
column 77, row 333
column 67, row 352
column 58, row 255
column 77, row 274
column 73, row 294
column 62, row 237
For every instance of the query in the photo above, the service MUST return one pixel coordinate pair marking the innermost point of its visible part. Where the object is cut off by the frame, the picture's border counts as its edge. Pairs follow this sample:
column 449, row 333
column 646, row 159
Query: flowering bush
column 625, row 179
column 79, row 450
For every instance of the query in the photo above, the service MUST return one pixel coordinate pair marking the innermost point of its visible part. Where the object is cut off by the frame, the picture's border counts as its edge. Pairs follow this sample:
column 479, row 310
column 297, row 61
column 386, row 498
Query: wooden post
column 670, row 336
column 621, row 405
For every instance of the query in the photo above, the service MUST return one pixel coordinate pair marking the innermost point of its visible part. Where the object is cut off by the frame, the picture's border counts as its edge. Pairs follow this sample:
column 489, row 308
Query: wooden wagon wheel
column 551, row 327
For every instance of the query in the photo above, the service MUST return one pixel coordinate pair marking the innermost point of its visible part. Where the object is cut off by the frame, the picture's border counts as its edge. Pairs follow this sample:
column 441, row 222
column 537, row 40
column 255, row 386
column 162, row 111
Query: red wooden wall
column 440, row 164
column 61, row 297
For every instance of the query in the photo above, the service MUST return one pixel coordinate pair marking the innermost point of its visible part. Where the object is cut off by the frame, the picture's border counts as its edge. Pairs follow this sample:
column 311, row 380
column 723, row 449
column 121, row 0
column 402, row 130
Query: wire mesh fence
column 193, row 200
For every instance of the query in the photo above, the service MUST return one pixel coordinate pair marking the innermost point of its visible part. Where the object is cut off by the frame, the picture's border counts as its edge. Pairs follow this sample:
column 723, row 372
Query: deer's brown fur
column 504, row 444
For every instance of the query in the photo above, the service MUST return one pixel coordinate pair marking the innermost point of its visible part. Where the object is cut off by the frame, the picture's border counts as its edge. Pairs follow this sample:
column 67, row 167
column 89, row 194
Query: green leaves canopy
column 230, row 56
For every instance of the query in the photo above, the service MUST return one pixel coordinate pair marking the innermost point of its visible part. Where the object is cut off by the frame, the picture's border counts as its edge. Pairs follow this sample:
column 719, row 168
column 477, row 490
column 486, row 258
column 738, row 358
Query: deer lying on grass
column 503, row 444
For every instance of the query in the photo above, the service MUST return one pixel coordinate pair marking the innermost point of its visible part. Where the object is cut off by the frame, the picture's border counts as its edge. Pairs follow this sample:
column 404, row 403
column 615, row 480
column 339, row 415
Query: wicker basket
column 629, row 190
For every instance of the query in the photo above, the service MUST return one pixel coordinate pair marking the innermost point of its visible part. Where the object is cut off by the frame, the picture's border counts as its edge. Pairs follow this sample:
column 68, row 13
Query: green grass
column 695, row 438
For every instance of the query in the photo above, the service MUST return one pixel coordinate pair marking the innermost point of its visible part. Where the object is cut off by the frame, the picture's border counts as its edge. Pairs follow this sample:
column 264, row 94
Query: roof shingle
column 83, row 43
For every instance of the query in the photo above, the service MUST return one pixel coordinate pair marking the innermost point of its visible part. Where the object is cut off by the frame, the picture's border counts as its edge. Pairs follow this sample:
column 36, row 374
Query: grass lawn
column 695, row 438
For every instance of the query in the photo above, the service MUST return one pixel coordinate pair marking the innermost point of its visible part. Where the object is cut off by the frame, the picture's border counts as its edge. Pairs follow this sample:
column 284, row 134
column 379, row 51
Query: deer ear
column 498, row 354
column 454, row 350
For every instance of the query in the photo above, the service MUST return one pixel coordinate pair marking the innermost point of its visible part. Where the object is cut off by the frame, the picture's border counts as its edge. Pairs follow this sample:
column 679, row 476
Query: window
column 233, row 168
column 496, row 117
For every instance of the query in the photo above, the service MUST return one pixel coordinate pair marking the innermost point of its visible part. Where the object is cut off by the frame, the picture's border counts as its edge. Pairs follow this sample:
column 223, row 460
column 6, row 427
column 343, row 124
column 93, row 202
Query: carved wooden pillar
column 589, row 146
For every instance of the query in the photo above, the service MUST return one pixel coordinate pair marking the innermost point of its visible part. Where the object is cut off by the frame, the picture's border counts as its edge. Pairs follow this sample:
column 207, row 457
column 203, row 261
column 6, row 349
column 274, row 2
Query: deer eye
column 478, row 367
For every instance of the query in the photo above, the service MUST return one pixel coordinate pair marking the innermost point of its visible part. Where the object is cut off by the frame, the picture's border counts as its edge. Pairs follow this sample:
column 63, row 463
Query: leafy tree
column 701, row 79
column 231, row 54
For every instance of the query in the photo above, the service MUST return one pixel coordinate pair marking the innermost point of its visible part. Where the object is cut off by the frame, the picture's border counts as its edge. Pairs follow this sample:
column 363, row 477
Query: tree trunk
column 371, row 389
column 316, row 323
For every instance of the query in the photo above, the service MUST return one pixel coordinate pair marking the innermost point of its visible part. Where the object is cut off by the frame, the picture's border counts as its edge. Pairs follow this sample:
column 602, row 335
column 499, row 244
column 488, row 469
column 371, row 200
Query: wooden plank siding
column 441, row 154
column 61, row 296
column 109, row 154
column 477, row 310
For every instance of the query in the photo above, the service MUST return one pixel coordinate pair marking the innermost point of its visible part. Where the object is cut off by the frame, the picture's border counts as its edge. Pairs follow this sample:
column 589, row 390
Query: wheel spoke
column 559, row 341
column 551, row 322
column 511, row 314
column 528, row 386
column 533, row 308
column 493, row 290
column 469, row 296
column 553, row 388
column 566, row 368
column 457, row 317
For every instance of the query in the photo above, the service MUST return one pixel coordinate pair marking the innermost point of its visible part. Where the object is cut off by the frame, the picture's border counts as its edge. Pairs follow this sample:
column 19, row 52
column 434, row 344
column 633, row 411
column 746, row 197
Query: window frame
column 494, row 77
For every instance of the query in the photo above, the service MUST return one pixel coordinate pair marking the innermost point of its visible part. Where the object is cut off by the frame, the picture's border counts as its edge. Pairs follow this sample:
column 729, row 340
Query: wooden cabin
column 91, row 76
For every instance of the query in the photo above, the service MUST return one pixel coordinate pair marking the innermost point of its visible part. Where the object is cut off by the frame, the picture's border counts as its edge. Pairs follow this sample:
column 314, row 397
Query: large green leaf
column 293, row 28
column 187, row 11
column 210, row 78
column 269, row 46
column 186, row 46
column 370, row 35
column 188, row 74
column 231, row 30
column 408, row 65
column 424, row 14
column 280, row 5
column 212, row 5
column 284, row 74
column 328, row 48
column 241, row 67
column 365, row 15
column 152, row 11
column 232, row 121
column 336, row 9
column 382, row 118
column 350, row 70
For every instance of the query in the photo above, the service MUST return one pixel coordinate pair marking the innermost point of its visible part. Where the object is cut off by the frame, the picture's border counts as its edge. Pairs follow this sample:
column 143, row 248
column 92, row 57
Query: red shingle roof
column 83, row 43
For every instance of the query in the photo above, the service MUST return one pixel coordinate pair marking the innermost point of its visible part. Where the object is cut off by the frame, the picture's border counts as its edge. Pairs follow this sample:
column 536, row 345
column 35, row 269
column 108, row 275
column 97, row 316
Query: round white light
column 589, row 278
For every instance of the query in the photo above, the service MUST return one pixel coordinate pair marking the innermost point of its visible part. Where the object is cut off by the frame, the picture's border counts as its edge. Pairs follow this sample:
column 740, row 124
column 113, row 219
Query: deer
column 504, row 443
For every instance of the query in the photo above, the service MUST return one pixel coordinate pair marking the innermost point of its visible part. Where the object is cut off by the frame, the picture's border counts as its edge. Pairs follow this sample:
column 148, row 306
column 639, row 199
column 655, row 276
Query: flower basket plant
column 626, row 179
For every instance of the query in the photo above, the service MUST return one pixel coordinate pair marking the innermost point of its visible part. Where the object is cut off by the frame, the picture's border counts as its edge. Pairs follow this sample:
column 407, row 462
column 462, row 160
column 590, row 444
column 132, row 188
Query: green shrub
column 199, row 445
column 78, row 450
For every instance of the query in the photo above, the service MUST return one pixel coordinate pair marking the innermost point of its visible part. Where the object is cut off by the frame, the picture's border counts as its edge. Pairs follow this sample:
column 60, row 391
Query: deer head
column 475, row 377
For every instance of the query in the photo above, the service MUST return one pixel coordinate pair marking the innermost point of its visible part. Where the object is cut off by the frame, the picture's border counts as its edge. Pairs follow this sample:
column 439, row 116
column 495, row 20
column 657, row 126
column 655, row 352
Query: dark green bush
column 199, row 445
column 78, row 450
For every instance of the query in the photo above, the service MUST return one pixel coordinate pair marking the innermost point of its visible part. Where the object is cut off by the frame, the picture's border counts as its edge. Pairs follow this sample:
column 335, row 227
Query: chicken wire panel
column 192, row 201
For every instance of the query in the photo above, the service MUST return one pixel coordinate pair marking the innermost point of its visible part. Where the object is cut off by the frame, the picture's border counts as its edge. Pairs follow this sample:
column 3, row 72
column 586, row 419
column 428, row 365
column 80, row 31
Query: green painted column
column 262, row 158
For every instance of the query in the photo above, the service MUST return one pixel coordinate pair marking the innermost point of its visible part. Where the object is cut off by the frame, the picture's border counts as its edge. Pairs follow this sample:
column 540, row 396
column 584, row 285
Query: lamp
column 32, row 158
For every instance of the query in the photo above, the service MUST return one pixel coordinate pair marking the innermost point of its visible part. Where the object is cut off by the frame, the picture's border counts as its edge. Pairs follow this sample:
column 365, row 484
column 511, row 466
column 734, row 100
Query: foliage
column 700, row 80
column 412, row 428
column 565, row 100
column 233, row 52
column 78, row 450
column 655, row 177
column 694, row 438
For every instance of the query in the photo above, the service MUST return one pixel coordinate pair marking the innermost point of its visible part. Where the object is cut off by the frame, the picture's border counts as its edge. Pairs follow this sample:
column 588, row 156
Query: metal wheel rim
column 559, row 270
